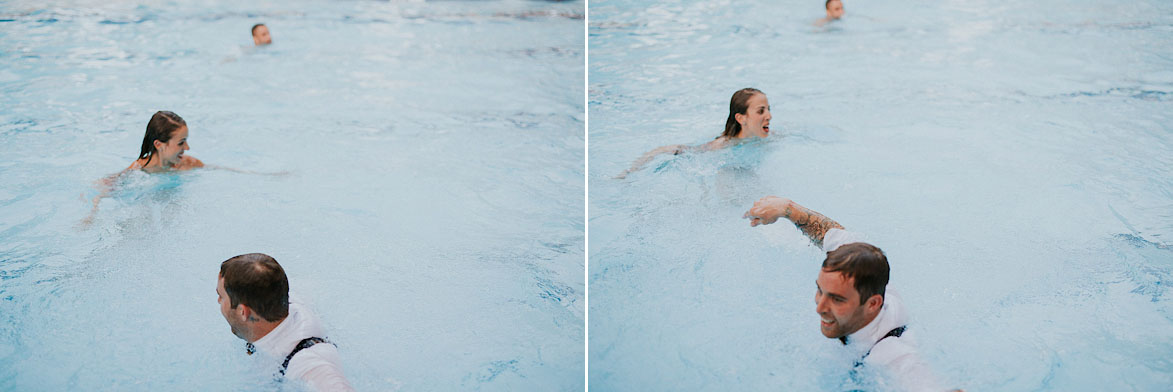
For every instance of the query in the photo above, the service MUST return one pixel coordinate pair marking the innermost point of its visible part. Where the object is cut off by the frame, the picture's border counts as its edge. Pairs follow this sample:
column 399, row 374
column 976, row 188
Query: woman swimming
column 163, row 149
column 749, row 117
column 164, row 145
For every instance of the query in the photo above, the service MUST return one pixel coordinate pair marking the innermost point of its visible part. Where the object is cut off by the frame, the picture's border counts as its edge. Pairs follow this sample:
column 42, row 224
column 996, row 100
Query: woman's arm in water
column 190, row 162
column 105, row 186
column 768, row 209
column 675, row 149
column 242, row 171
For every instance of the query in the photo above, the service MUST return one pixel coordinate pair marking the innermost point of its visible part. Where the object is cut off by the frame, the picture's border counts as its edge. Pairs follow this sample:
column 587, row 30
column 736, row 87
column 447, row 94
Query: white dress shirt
column 319, row 365
column 898, row 357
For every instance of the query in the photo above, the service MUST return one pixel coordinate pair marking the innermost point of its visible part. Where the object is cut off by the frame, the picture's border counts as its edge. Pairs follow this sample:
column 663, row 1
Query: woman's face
column 171, row 153
column 756, row 120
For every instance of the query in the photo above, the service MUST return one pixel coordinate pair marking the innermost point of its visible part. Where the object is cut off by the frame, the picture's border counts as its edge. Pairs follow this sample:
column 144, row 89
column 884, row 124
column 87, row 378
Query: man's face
column 835, row 9
column 261, row 36
column 838, row 305
column 234, row 318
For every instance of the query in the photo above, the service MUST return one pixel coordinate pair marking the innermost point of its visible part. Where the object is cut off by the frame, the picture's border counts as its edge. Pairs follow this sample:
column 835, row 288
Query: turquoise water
column 431, row 214
column 1014, row 160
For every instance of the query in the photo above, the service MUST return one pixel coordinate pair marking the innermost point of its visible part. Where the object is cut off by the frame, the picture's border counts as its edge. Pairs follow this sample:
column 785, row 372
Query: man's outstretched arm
column 768, row 209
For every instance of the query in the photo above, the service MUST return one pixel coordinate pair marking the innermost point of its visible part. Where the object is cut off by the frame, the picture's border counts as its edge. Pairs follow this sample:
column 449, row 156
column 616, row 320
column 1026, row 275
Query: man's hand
column 767, row 210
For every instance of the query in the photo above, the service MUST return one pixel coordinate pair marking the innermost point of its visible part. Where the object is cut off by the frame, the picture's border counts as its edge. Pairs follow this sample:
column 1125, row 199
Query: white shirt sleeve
column 839, row 237
column 319, row 366
column 903, row 366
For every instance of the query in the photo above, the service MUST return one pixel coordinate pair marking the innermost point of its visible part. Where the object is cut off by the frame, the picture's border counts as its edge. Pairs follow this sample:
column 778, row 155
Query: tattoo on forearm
column 811, row 223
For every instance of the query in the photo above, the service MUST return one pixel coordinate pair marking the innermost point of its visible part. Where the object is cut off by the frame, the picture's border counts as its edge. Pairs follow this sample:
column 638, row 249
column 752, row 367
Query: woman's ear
column 158, row 145
column 740, row 118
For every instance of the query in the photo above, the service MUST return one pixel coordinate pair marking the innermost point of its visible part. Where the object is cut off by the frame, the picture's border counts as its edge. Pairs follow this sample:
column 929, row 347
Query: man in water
column 851, row 295
column 254, row 298
column 834, row 12
column 261, row 35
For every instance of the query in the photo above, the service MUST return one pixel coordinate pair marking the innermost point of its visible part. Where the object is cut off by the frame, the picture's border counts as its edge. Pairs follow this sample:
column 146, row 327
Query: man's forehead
column 836, row 282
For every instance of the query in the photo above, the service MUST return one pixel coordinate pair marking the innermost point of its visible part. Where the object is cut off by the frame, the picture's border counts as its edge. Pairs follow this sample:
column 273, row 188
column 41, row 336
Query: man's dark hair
column 866, row 263
column 256, row 280
column 826, row 5
column 254, row 31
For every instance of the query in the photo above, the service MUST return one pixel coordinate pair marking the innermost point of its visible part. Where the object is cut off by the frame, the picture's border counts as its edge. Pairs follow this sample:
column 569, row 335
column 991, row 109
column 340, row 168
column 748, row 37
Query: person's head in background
column 261, row 34
column 834, row 9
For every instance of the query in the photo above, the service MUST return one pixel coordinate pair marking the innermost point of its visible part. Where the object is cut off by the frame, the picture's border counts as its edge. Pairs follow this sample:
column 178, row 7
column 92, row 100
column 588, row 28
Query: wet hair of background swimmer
column 738, row 104
column 162, row 125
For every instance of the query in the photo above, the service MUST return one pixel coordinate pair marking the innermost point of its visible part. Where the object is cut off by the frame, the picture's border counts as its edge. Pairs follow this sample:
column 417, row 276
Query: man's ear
column 874, row 303
column 246, row 313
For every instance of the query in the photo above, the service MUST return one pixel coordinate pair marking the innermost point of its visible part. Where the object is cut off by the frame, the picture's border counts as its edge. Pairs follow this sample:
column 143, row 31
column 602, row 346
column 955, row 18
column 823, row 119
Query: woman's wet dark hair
column 738, row 105
column 161, row 126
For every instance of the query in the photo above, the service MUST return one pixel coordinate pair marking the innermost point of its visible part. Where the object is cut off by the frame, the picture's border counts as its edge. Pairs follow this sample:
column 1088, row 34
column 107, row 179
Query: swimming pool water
column 1013, row 159
column 431, row 213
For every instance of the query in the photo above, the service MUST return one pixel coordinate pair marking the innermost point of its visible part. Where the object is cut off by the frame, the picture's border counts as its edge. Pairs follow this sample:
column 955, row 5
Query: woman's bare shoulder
column 190, row 162
column 716, row 144
column 137, row 164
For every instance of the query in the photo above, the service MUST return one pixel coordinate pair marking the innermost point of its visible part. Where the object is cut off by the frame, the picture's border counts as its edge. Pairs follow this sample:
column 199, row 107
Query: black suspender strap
column 304, row 344
column 895, row 332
